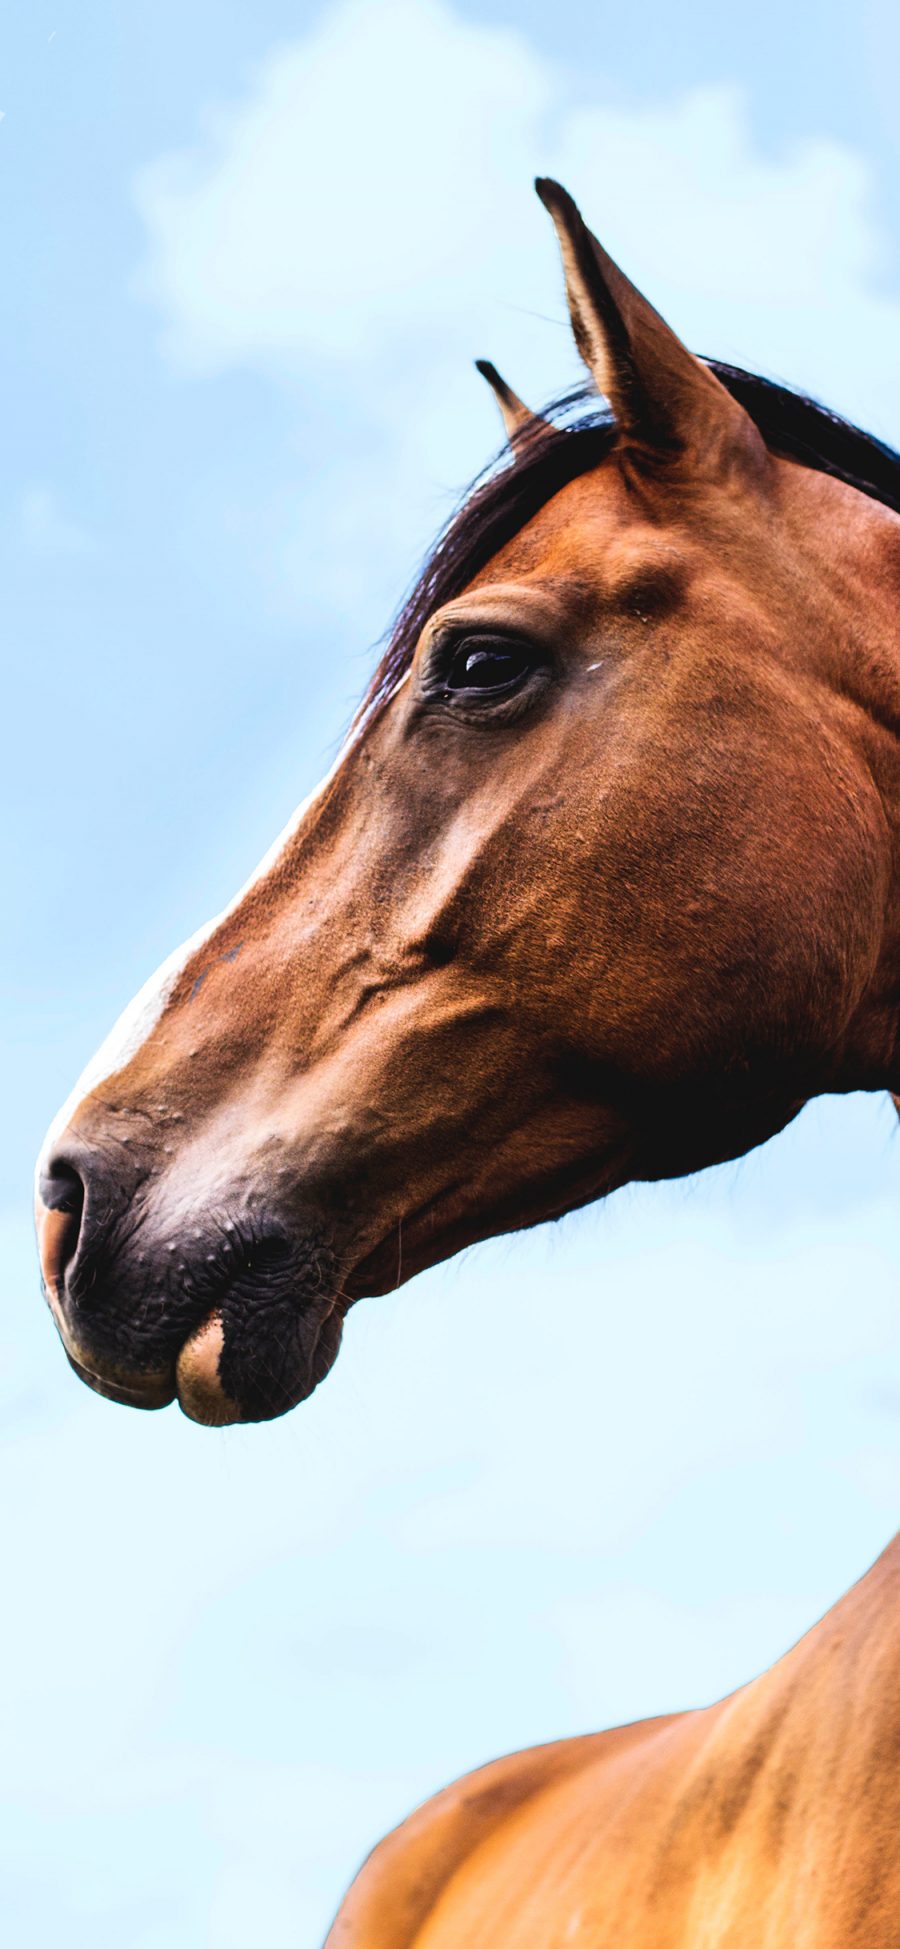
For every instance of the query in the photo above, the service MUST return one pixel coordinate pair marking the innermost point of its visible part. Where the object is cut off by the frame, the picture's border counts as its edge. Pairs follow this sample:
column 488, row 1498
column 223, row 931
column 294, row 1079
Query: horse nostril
column 61, row 1189
column 61, row 1194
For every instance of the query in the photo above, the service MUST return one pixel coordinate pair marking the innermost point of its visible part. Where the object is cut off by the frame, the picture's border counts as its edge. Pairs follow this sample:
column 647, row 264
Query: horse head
column 602, row 886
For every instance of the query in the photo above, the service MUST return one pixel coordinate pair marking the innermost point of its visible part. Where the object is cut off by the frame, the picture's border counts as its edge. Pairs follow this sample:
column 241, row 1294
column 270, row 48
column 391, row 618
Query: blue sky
column 250, row 255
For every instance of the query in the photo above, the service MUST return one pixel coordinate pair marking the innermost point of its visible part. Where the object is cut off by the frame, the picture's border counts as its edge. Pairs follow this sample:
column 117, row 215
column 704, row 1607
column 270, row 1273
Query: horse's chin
column 238, row 1370
column 201, row 1395
column 196, row 1380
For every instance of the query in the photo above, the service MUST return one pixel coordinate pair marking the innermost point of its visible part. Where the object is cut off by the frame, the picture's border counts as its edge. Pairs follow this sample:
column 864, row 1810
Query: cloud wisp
column 357, row 245
column 322, row 221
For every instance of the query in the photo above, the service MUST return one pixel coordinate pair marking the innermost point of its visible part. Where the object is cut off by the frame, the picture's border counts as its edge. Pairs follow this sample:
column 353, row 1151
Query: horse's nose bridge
column 192, row 1037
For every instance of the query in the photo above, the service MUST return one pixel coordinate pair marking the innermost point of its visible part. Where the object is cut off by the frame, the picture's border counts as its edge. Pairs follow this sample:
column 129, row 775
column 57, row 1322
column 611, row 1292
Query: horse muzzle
column 235, row 1316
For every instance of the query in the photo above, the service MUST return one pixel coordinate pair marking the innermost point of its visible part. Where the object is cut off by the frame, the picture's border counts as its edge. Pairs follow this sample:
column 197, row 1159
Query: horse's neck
column 830, row 1709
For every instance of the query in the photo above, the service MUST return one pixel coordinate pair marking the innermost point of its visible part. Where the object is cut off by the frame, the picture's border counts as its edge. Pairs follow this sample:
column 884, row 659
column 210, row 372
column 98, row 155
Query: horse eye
column 487, row 663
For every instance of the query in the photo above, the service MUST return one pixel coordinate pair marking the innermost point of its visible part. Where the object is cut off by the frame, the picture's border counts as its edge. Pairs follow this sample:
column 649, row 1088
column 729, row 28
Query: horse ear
column 518, row 419
column 663, row 398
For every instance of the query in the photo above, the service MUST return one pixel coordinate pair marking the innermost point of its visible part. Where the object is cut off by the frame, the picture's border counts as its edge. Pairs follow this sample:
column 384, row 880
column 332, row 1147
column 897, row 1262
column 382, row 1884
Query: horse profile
column 604, row 885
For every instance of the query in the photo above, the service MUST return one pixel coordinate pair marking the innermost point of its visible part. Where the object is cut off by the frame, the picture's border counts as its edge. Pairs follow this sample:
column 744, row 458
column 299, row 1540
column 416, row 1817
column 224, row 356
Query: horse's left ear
column 664, row 399
column 520, row 423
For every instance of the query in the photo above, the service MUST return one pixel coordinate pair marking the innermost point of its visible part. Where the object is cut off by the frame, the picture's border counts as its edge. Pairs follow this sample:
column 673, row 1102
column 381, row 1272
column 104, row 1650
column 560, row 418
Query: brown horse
column 605, row 885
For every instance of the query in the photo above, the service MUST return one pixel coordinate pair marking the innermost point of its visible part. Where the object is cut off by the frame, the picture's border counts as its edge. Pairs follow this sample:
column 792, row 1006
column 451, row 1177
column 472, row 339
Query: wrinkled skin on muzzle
column 561, row 917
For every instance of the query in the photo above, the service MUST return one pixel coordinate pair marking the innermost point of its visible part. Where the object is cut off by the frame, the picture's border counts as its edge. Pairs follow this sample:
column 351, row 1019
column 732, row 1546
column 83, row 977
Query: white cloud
column 361, row 189
column 775, row 260
column 367, row 205
column 361, row 224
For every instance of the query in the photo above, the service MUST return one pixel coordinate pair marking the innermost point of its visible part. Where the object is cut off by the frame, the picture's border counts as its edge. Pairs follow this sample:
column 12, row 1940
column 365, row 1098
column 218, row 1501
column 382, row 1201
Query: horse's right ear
column 664, row 399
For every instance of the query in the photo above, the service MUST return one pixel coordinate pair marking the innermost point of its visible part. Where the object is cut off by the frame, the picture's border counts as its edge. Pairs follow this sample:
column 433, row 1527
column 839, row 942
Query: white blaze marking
column 139, row 1019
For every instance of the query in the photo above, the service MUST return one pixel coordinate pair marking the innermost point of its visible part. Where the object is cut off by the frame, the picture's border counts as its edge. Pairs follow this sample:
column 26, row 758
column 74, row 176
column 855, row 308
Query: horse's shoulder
column 402, row 1879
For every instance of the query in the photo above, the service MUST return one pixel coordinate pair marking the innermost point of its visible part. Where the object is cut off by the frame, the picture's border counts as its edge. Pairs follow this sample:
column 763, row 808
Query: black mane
column 504, row 499
column 801, row 429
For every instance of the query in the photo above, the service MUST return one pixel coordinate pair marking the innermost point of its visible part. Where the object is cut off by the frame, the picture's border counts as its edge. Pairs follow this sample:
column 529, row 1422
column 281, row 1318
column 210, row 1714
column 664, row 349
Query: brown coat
column 768, row 1821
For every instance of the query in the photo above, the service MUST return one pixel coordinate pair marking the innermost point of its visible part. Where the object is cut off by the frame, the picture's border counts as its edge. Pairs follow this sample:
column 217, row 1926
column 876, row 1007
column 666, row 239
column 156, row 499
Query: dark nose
column 78, row 1198
column 61, row 1199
